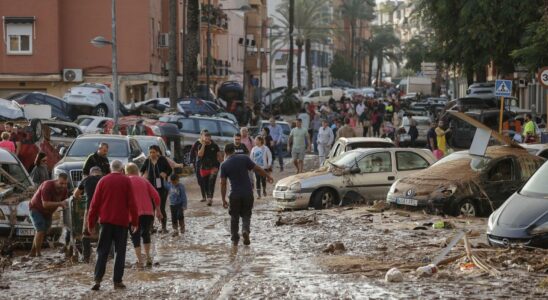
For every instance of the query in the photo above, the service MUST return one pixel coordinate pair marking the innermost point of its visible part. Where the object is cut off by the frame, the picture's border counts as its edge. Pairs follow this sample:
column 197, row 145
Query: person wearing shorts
column 299, row 143
column 50, row 195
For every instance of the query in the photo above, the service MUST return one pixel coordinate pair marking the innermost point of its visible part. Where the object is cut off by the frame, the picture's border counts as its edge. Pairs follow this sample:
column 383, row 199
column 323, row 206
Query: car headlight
column 295, row 187
column 541, row 229
column 491, row 221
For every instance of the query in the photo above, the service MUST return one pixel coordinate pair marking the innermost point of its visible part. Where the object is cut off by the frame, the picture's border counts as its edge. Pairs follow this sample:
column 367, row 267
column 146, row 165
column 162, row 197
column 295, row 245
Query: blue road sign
column 503, row 88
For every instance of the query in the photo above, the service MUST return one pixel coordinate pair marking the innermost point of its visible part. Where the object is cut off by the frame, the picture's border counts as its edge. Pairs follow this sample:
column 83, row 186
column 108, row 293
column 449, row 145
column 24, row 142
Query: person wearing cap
column 87, row 186
column 235, row 169
column 114, row 207
column 210, row 156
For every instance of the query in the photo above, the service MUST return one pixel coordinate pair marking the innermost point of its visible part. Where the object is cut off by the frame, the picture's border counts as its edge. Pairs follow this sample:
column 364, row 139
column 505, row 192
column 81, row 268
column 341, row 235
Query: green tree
column 354, row 11
column 533, row 54
column 471, row 34
column 416, row 52
column 192, row 48
column 341, row 68
column 383, row 45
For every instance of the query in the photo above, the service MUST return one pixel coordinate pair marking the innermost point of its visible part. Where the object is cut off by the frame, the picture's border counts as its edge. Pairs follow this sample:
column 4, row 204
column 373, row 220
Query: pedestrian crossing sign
column 503, row 88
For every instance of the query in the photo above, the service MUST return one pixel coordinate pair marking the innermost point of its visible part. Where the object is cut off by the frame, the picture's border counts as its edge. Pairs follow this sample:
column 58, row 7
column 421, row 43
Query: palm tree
column 310, row 26
column 354, row 11
column 382, row 45
column 192, row 45
column 291, row 25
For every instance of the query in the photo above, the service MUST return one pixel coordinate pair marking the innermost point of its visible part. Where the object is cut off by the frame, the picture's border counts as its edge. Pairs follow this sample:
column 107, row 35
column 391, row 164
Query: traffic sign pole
column 501, row 114
column 543, row 79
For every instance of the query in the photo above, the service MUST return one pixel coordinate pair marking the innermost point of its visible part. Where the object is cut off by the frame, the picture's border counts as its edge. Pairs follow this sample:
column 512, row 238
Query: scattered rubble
column 310, row 219
column 335, row 248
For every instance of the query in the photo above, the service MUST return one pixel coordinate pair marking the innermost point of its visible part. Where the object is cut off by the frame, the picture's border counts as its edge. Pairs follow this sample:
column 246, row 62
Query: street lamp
column 100, row 42
column 243, row 8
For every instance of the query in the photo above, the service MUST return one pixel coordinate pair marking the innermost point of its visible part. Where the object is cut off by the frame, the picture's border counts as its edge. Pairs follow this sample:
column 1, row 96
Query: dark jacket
column 96, row 160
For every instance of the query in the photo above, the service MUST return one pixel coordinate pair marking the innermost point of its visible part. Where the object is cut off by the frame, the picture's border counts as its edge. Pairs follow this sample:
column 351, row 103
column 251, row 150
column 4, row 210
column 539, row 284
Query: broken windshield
column 15, row 176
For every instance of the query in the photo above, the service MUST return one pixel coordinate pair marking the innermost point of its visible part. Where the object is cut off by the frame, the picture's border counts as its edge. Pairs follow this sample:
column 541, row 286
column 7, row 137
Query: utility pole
column 290, row 61
column 114, row 70
column 173, row 54
column 244, row 85
column 208, row 59
column 270, row 67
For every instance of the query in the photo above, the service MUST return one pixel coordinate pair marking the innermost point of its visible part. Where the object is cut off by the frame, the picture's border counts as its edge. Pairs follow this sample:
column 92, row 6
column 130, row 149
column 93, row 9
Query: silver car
column 361, row 174
column 93, row 98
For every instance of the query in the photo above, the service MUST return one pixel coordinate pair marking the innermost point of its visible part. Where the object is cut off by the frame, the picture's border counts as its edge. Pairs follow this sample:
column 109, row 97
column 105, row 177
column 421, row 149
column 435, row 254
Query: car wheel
column 36, row 126
column 467, row 208
column 100, row 111
column 186, row 156
column 324, row 198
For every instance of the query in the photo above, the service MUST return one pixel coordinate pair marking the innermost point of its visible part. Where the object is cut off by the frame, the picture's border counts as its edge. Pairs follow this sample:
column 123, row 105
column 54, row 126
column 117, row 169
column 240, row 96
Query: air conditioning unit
column 163, row 40
column 72, row 75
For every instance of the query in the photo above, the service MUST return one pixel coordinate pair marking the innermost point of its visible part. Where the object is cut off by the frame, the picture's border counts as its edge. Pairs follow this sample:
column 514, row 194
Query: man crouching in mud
column 235, row 168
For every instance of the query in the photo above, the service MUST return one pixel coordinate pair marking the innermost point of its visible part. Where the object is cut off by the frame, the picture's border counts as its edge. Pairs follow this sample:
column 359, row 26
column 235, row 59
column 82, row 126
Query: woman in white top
column 262, row 157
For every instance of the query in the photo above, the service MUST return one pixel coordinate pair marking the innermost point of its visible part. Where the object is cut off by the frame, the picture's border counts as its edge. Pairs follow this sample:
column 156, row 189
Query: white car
column 355, row 176
column 92, row 98
column 322, row 95
column 92, row 124
column 16, row 190
column 160, row 104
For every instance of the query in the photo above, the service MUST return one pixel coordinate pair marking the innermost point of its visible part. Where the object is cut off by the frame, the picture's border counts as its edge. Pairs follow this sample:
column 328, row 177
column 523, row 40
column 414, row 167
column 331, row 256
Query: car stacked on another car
column 92, row 124
column 60, row 109
column 343, row 145
column 466, row 184
column 123, row 148
column 354, row 176
column 91, row 98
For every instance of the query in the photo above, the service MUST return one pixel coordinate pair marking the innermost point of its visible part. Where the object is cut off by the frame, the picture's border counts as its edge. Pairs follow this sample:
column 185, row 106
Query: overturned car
column 467, row 184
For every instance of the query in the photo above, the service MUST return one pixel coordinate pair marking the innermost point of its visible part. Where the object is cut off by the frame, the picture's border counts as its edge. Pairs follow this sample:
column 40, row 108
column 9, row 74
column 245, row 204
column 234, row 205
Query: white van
column 322, row 95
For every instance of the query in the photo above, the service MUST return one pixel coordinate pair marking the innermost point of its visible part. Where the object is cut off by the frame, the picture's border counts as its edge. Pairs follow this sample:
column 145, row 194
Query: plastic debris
column 393, row 275
column 426, row 271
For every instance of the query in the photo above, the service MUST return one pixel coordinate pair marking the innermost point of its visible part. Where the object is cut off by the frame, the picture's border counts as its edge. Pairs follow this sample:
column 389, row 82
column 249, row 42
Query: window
column 228, row 129
column 328, row 93
column 502, row 171
column 315, row 94
column 188, row 126
column 18, row 35
column 210, row 125
column 376, row 163
column 406, row 161
column 84, row 121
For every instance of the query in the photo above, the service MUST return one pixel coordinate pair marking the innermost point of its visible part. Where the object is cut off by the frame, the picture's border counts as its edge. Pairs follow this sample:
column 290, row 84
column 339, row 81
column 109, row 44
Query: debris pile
column 306, row 220
column 335, row 248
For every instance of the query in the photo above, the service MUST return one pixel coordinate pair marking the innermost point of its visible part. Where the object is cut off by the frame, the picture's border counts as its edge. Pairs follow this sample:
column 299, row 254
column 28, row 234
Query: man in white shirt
column 360, row 108
column 325, row 140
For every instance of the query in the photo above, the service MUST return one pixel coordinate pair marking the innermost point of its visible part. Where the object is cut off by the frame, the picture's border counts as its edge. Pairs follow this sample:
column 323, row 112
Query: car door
column 190, row 130
column 408, row 162
column 326, row 94
column 375, row 177
column 501, row 180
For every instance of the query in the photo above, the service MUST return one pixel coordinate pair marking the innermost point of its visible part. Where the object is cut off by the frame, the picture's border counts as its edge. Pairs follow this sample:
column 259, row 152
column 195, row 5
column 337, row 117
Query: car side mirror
column 355, row 170
column 62, row 151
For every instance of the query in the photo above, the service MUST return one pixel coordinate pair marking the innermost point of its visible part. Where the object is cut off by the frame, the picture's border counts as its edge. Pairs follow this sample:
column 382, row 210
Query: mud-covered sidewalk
column 341, row 253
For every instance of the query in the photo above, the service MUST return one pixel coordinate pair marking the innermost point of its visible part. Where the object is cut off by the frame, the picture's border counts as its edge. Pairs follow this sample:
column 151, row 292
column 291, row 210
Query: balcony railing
column 218, row 68
column 215, row 15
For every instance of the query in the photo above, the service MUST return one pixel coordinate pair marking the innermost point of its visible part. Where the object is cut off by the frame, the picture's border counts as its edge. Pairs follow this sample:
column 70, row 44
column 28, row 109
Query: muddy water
column 288, row 262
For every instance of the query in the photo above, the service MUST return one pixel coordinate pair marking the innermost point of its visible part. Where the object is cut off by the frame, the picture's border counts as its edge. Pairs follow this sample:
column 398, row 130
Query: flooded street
column 290, row 257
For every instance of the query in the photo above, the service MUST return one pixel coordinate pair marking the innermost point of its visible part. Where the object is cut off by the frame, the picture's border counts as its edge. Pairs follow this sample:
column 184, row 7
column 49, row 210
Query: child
column 262, row 157
column 177, row 203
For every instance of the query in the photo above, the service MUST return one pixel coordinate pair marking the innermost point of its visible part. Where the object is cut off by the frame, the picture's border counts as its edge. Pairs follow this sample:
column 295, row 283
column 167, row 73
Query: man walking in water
column 235, row 168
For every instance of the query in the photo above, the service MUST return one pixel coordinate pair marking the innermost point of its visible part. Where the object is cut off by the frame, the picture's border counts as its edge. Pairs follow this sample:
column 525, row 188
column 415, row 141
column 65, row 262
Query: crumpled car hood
column 520, row 211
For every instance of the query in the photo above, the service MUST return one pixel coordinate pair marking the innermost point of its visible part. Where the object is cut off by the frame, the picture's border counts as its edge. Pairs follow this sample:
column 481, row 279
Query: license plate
column 25, row 232
column 279, row 195
column 407, row 201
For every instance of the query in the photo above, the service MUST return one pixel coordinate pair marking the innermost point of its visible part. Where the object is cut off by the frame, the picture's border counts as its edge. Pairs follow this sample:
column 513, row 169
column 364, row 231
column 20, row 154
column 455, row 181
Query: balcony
column 219, row 68
column 217, row 18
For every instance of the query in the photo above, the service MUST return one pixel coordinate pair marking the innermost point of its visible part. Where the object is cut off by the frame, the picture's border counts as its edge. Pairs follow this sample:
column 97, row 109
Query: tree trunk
column 352, row 40
column 290, row 60
column 370, row 71
column 308, row 62
column 299, row 43
column 192, row 44
column 173, row 54
column 379, row 69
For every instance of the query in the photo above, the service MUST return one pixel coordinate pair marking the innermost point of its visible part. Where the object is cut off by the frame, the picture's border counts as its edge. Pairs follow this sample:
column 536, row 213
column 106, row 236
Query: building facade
column 43, row 40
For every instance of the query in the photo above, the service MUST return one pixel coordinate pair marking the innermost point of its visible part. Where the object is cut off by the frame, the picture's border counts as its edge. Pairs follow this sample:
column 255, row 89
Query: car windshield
column 84, row 121
column 477, row 163
column 146, row 143
column 85, row 147
column 536, row 186
column 346, row 160
column 371, row 145
column 17, row 172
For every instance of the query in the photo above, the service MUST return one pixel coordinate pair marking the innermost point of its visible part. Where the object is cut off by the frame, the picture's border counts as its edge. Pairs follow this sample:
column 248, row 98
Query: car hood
column 304, row 177
column 520, row 211
column 77, row 162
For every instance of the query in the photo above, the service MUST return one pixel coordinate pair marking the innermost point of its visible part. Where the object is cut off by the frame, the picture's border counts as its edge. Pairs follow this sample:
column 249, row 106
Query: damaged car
column 16, row 190
column 360, row 175
column 523, row 218
column 467, row 184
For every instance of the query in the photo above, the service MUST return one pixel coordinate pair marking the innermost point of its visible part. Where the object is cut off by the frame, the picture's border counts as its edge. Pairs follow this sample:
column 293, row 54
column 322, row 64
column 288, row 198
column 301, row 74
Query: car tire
column 467, row 208
column 100, row 110
column 324, row 198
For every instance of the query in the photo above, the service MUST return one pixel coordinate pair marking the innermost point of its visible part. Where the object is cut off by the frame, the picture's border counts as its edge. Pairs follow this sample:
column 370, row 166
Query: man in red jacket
column 114, row 205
